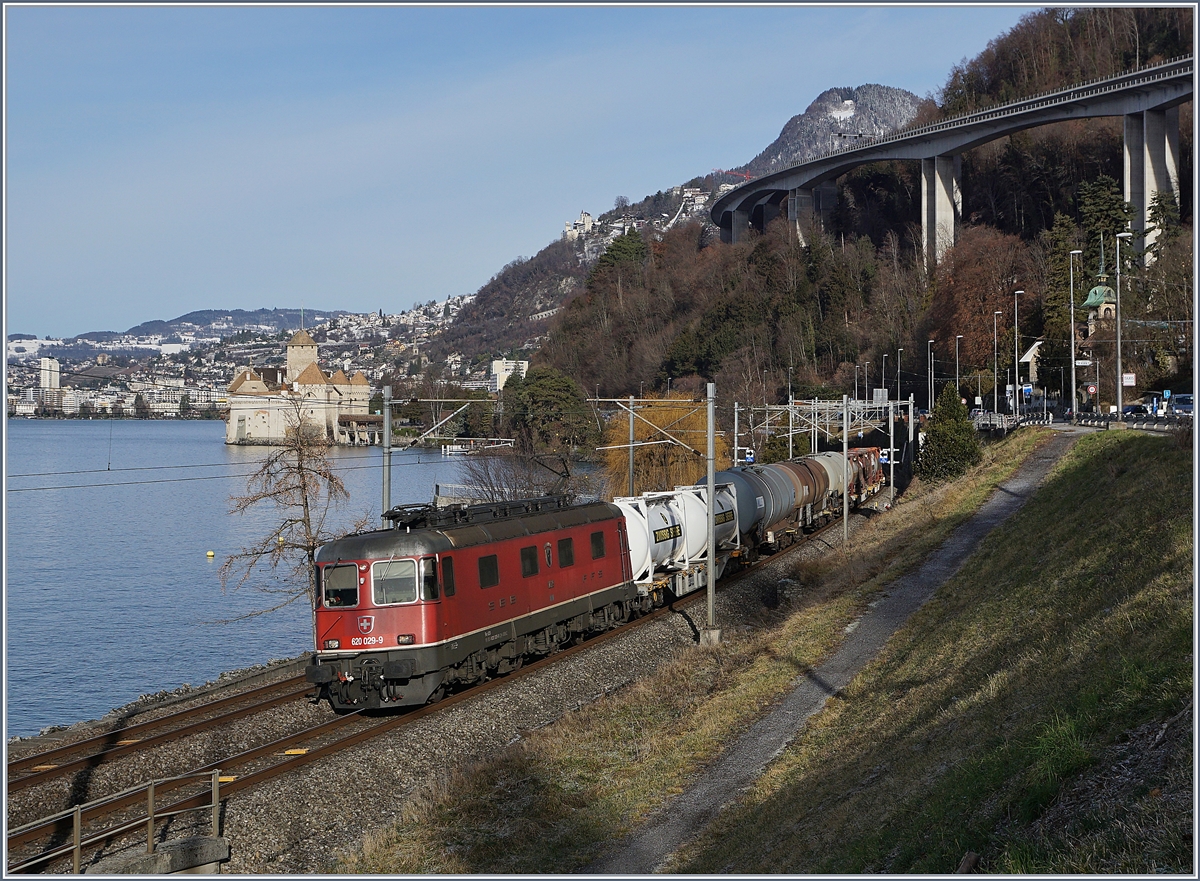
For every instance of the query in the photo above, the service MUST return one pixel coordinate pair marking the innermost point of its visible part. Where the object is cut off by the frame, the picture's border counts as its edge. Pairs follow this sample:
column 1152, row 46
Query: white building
column 49, row 373
column 502, row 370
column 573, row 229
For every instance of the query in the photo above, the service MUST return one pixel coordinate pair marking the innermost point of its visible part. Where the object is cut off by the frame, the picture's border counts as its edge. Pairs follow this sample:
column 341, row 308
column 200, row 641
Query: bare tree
column 509, row 474
column 298, row 480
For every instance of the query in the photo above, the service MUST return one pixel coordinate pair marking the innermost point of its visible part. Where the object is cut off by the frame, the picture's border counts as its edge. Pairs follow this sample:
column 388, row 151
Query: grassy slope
column 957, row 732
column 1069, row 628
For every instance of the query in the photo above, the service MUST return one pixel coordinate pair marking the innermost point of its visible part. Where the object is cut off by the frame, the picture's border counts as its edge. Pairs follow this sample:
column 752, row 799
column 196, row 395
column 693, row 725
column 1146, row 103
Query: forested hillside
column 497, row 322
column 749, row 316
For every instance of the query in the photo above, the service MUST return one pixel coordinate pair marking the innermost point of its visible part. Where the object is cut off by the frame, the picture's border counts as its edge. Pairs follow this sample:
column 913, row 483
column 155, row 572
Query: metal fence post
column 150, row 818
column 216, row 796
column 77, row 856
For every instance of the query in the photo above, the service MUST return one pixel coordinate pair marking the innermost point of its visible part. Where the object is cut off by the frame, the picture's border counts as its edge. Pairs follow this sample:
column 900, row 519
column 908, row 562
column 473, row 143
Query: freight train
column 448, row 597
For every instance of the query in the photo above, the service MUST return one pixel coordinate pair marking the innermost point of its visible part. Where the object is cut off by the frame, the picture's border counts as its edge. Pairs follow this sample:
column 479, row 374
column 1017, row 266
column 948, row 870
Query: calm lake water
column 109, row 593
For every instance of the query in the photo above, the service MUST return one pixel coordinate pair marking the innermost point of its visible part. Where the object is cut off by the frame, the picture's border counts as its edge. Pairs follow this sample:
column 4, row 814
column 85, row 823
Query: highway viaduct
column 1147, row 98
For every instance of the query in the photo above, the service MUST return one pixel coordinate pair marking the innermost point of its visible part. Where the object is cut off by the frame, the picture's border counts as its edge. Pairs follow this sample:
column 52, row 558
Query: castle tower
column 301, row 351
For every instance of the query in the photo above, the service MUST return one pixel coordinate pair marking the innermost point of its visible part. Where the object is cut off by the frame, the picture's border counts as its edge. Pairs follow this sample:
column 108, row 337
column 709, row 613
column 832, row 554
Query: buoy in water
column 210, row 554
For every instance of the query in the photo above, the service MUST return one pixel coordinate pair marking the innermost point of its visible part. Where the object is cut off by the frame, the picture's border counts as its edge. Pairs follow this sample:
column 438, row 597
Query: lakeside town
column 190, row 374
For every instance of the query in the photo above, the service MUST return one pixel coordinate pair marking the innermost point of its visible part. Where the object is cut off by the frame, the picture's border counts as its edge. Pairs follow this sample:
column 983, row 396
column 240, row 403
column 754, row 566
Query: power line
column 176, row 479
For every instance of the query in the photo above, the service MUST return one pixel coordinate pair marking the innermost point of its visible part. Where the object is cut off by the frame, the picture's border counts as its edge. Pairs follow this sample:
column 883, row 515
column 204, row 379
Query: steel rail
column 149, row 725
column 138, row 737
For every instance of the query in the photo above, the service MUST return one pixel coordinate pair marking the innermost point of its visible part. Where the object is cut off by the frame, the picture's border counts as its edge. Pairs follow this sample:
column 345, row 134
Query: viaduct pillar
column 941, row 205
column 800, row 207
column 1151, row 162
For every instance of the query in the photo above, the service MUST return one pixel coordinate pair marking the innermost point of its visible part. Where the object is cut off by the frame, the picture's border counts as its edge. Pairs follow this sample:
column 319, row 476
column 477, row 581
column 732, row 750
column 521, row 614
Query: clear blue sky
column 166, row 159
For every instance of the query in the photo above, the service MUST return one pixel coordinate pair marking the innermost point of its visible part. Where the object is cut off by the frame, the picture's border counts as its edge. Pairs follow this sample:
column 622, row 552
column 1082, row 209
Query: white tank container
column 638, row 532
column 669, row 530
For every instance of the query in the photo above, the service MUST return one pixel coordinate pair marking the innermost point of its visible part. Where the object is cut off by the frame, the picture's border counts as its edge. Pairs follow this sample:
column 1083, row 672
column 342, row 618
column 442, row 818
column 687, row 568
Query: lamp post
column 867, row 381
column 995, row 362
column 899, row 352
column 957, row 390
column 1016, row 351
column 1074, row 386
column 856, row 382
column 883, row 373
column 929, row 350
column 1120, row 410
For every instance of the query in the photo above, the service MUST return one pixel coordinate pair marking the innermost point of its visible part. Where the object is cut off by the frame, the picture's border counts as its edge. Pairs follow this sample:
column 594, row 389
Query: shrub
column 951, row 446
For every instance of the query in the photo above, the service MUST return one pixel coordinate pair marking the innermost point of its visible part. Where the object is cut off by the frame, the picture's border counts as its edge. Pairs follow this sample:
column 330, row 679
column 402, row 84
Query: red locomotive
column 452, row 596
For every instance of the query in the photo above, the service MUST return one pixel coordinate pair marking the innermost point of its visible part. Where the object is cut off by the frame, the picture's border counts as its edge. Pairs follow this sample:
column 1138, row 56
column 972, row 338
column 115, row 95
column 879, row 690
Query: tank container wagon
column 668, row 538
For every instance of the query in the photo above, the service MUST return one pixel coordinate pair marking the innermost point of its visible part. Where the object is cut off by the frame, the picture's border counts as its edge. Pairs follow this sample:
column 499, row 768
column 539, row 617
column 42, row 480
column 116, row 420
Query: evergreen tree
column 1057, row 244
column 548, row 411
column 1102, row 212
column 951, row 445
column 621, row 261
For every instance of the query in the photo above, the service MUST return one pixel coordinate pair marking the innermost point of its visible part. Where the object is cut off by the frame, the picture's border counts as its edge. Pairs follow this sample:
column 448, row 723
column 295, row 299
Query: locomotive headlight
column 332, row 643
column 405, row 639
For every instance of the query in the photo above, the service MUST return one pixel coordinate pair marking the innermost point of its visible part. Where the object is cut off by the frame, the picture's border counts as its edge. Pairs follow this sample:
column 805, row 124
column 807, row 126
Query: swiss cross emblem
column 366, row 623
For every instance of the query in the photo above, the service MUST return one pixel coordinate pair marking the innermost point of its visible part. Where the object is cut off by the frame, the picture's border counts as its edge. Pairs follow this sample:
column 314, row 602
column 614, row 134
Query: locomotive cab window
column 489, row 571
column 597, row 545
column 448, row 576
column 529, row 561
column 566, row 552
column 429, row 582
column 339, row 586
column 394, row 581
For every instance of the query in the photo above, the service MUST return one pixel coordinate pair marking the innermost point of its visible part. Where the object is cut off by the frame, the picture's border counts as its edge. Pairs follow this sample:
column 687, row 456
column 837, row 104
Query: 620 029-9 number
column 366, row 640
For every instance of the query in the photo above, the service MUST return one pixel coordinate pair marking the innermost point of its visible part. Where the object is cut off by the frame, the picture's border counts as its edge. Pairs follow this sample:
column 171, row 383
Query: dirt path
column 741, row 764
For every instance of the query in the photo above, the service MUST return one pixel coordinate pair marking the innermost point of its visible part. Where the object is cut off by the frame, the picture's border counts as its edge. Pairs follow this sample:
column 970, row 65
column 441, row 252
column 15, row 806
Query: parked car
column 1182, row 404
column 1136, row 410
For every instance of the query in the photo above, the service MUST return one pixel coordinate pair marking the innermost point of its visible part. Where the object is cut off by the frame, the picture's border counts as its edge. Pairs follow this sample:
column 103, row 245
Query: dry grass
column 1069, row 628
column 554, row 800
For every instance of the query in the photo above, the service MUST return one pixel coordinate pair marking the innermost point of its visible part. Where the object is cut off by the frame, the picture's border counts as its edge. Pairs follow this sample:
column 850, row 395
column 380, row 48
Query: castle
column 263, row 405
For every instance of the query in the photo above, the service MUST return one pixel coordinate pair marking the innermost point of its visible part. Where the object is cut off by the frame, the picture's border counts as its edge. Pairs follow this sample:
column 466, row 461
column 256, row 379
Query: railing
column 78, row 842
column 995, row 422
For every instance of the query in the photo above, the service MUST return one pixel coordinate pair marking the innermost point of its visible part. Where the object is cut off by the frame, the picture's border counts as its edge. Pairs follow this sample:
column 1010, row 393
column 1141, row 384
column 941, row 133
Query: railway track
column 107, row 823
column 43, row 766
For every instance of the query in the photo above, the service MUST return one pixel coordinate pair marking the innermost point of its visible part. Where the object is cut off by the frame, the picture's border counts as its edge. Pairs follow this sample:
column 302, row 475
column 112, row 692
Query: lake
column 109, row 593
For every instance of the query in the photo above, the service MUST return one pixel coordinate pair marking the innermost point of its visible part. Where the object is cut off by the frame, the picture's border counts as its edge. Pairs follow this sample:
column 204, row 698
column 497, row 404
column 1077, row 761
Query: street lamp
column 1016, row 351
column 856, row 366
column 995, row 363
column 1074, row 403
column 899, row 352
column 867, row 381
column 929, row 349
column 957, row 388
column 883, row 373
column 1120, row 235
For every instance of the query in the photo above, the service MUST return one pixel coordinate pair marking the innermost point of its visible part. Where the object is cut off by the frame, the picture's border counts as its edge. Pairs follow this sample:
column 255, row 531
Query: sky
column 164, row 159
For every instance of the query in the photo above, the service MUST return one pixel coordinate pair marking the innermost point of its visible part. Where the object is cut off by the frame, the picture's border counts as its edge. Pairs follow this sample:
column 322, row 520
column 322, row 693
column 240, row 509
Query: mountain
column 836, row 117
column 221, row 322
